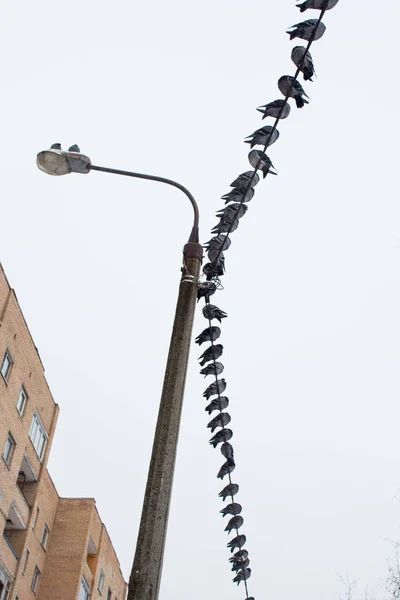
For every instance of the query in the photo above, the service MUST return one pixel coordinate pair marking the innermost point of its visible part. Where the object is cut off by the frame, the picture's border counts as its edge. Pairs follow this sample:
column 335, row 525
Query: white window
column 9, row 449
column 25, row 562
column 101, row 582
column 22, row 400
column 84, row 590
column 109, row 594
column 6, row 365
column 38, row 435
column 45, row 536
column 35, row 580
column 36, row 517
column 5, row 585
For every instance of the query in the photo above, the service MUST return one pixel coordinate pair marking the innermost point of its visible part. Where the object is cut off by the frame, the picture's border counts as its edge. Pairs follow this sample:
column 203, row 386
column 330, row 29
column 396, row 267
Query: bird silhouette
column 219, row 421
column 305, row 30
column 231, row 509
column 226, row 468
column 212, row 353
column 214, row 368
column 205, row 289
column 233, row 210
column 210, row 311
column 236, row 566
column 215, row 388
column 229, row 490
column 275, row 109
column 266, row 136
column 239, row 195
column 218, row 404
column 242, row 575
column 237, row 542
column 215, row 269
column 249, row 178
column 307, row 67
column 227, row 450
column 55, row 146
column 317, row 4
column 290, row 87
column 226, row 225
column 235, row 523
column 215, row 247
column 221, row 436
column 261, row 161
column 210, row 334
column 239, row 555
column 74, row 148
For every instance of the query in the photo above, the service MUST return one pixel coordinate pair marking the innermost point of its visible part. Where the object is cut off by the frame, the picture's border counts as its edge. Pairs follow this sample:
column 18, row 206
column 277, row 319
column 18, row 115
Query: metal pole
column 144, row 581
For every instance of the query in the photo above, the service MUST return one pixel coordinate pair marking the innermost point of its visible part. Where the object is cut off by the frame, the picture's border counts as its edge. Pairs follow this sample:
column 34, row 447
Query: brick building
column 51, row 548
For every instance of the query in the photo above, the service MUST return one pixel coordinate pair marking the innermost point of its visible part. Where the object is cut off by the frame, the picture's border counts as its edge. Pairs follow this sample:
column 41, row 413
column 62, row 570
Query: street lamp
column 144, row 581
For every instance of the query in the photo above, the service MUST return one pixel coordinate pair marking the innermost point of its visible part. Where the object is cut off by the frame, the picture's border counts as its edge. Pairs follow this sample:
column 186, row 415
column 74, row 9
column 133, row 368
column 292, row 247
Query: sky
column 312, row 285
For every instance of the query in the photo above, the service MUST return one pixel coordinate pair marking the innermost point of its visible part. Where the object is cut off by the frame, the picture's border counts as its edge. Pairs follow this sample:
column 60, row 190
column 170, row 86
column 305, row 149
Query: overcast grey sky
column 312, row 288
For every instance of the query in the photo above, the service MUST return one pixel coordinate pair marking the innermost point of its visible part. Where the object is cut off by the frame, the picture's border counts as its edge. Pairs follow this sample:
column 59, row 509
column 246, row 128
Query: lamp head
column 58, row 162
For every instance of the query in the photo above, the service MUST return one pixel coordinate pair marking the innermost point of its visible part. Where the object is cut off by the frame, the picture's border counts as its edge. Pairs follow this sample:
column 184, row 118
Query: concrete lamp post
column 144, row 581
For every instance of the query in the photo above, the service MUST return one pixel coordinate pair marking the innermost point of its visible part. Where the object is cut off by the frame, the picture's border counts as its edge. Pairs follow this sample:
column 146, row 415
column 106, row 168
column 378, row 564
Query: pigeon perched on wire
column 249, row 178
column 235, row 523
column 231, row 509
column 259, row 160
column 212, row 270
column 74, row 148
column 214, row 368
column 242, row 575
column 216, row 245
column 227, row 450
column 275, row 109
column 233, row 210
column 239, row 195
column 305, row 30
column 219, row 421
column 212, row 353
column 237, row 542
column 210, row 311
column 210, row 334
column 307, row 67
column 317, row 4
column 229, row 490
column 226, row 225
column 55, row 146
column 240, row 564
column 215, row 388
column 266, row 136
column 226, row 468
column 218, row 404
column 290, row 87
column 239, row 555
column 221, row 436
column 205, row 289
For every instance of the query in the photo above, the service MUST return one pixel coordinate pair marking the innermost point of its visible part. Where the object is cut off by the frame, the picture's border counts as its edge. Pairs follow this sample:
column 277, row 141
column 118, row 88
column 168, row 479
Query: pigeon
column 259, row 160
column 235, row 523
column 210, row 311
column 231, row 509
column 233, row 210
column 215, row 388
column 248, row 178
column 306, row 64
column 239, row 195
column 212, row 270
column 237, row 542
column 219, row 421
column 206, row 289
column 227, row 450
column 226, row 225
column 221, row 436
column 290, row 87
column 239, row 555
column 266, row 136
column 242, row 564
column 217, row 404
column 74, row 148
column 226, row 468
column 317, row 4
column 212, row 353
column 307, row 30
column 275, row 109
column 55, row 146
column 215, row 247
column 229, row 490
column 214, row 368
column 242, row 575
column 210, row 334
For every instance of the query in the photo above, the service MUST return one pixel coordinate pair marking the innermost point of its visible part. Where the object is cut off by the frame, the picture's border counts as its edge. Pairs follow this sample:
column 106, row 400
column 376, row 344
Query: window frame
column 84, row 587
column 35, row 580
column 21, row 408
column 10, row 453
column 36, row 518
column 6, row 375
column 36, row 428
column 101, row 582
column 27, row 554
column 109, row 594
column 45, row 537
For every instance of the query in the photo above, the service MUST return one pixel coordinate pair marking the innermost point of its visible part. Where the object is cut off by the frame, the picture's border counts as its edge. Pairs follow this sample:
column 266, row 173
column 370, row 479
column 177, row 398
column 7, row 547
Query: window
column 38, row 435
column 101, row 582
column 22, row 400
column 109, row 593
column 36, row 517
column 84, row 590
column 35, row 580
column 25, row 562
column 9, row 449
column 5, row 585
column 45, row 537
column 6, row 365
